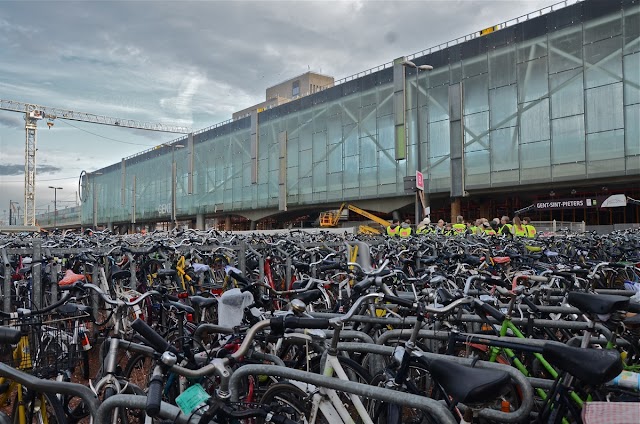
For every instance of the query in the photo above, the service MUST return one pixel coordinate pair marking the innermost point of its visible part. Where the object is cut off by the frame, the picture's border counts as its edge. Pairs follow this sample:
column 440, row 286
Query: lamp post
column 418, row 68
column 55, row 205
column 174, row 177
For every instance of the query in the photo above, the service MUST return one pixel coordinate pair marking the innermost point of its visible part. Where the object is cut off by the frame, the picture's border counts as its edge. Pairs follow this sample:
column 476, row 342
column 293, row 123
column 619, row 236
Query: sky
column 187, row 63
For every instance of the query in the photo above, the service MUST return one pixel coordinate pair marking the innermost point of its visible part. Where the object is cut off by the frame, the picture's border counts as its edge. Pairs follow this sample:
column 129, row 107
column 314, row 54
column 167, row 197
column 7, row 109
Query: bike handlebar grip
column 490, row 310
column 538, row 278
column 155, row 340
column 407, row 303
column 363, row 285
column 336, row 265
column 633, row 307
column 154, row 396
column 279, row 324
column 239, row 278
column 9, row 335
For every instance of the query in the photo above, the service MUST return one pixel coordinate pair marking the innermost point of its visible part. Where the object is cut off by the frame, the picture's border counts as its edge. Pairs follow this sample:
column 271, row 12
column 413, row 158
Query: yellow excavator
column 330, row 219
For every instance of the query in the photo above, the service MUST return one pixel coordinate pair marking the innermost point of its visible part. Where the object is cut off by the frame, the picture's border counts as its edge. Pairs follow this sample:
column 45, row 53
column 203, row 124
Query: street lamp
column 418, row 68
column 174, row 177
column 55, row 205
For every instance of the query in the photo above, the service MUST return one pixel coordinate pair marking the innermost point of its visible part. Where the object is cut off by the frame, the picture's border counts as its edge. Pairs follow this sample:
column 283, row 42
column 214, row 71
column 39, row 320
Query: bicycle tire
column 53, row 407
column 385, row 413
column 286, row 394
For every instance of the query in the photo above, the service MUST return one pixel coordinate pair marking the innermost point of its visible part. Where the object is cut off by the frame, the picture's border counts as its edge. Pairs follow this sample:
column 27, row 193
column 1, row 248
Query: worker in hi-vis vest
column 405, row 229
column 393, row 230
column 459, row 227
column 531, row 230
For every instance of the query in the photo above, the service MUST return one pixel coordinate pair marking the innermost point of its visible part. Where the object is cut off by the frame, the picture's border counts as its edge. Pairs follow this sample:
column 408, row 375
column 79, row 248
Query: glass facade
column 550, row 99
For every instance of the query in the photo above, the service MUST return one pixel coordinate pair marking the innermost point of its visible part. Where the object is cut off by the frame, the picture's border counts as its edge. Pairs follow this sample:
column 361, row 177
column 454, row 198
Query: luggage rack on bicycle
column 50, row 343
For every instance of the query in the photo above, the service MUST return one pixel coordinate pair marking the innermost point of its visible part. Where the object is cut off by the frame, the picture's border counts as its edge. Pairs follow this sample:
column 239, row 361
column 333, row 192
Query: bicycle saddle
column 167, row 273
column 469, row 385
column 203, row 302
column 598, row 303
column 70, row 309
column 309, row 296
column 501, row 259
column 121, row 275
column 179, row 306
column 591, row 366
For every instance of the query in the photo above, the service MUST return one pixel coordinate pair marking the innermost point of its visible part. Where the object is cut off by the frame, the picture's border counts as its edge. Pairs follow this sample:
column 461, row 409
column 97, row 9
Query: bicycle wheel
column 286, row 394
column 419, row 382
column 39, row 408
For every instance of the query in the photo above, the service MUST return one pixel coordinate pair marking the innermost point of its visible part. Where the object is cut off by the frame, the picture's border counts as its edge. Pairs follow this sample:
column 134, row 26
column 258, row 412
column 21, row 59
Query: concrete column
column 227, row 223
column 200, row 221
column 110, row 226
column 252, row 225
column 455, row 209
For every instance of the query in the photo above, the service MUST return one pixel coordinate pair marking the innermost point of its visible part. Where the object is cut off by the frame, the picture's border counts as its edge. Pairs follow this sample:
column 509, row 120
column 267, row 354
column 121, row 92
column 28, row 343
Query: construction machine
column 330, row 219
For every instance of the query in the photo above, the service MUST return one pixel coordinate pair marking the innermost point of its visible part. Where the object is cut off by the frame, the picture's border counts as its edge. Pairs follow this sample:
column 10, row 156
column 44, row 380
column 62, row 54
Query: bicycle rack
column 433, row 407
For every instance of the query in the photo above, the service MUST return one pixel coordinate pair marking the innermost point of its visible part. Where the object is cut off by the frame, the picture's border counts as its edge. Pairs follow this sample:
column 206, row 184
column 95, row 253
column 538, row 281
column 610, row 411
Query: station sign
column 573, row 203
column 419, row 180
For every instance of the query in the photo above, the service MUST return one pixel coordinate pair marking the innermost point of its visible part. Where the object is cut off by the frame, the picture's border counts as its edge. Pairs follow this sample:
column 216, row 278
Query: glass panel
column 319, row 177
column 455, row 72
column 504, row 106
column 565, row 49
column 535, row 160
column 605, row 58
column 504, row 149
column 319, row 146
column 475, row 91
column 604, row 108
column 292, row 151
column 334, row 185
column 439, row 143
column 334, row 129
column 632, row 30
column 534, row 121
column 351, row 171
column 567, row 93
column 632, row 129
column 439, row 76
column 601, row 28
column 533, row 49
column 477, row 166
column 476, row 131
column 475, row 65
column 532, row 80
column 334, row 158
column 367, row 152
column 438, row 103
column 605, row 145
column 632, row 79
column 387, row 167
column 567, row 140
column 385, row 103
column 368, row 121
column 385, row 132
column 502, row 65
column 350, row 134
column 304, row 158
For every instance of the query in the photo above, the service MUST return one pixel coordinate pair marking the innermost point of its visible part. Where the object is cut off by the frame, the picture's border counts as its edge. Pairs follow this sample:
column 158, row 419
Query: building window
column 296, row 89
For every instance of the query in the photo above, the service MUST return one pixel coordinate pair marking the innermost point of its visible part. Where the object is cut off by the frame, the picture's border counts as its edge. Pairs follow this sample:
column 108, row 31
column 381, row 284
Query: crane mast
column 34, row 113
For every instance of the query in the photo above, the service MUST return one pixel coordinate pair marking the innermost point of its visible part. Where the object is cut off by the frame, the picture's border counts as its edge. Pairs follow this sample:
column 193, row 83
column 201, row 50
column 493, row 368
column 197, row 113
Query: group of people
column 481, row 226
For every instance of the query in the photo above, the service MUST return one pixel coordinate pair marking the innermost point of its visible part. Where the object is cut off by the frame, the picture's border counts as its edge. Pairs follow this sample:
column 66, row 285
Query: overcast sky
column 188, row 63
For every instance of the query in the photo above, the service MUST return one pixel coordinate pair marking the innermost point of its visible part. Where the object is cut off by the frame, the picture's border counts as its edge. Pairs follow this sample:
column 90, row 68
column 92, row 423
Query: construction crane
column 331, row 218
column 34, row 113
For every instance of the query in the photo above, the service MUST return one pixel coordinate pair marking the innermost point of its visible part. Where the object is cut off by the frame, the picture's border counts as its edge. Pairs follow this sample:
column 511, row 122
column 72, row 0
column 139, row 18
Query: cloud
column 18, row 169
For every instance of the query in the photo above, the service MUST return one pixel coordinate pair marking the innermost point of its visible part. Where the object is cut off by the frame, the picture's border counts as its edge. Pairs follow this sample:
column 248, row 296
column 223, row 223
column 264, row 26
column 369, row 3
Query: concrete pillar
column 455, row 209
column 252, row 225
column 227, row 223
column 110, row 226
column 200, row 221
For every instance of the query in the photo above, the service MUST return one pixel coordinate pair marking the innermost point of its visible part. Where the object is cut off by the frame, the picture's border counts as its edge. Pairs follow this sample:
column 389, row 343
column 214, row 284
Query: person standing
column 405, row 229
column 505, row 227
column 531, row 230
column 517, row 229
column 393, row 230
column 424, row 227
column 459, row 227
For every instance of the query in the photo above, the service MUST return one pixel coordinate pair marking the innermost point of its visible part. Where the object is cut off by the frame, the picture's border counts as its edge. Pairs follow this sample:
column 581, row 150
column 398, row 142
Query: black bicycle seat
column 309, row 296
column 469, row 385
column 591, row 366
column 203, row 302
column 598, row 303
column 121, row 275
column 167, row 273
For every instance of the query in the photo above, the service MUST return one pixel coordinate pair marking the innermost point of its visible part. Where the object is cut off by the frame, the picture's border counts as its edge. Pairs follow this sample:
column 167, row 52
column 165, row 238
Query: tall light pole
column 418, row 68
column 55, row 205
column 174, row 177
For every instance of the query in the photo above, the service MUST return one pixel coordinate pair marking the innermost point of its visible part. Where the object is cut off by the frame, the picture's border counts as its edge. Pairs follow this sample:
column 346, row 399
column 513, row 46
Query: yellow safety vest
column 490, row 231
column 522, row 232
column 405, row 232
column 424, row 230
column 531, row 230
column 393, row 231
column 474, row 229
column 459, row 228
column 505, row 229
